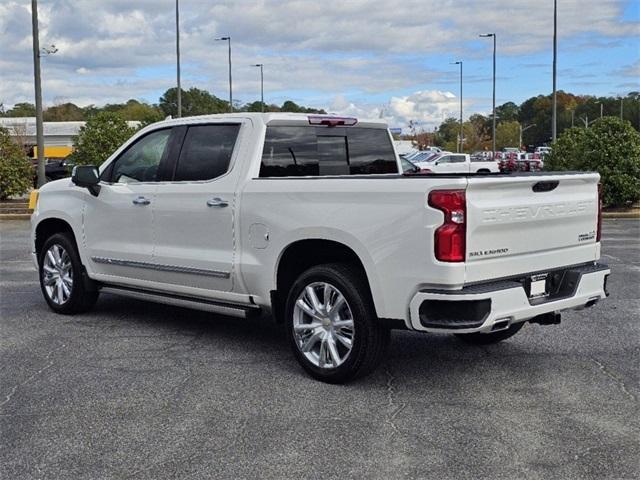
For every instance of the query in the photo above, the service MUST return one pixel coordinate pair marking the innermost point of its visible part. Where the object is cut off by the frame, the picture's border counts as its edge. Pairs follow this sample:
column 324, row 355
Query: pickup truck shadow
column 410, row 353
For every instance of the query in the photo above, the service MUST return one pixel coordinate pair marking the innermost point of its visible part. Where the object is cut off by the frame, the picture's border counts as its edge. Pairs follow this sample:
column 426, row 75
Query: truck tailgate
column 530, row 223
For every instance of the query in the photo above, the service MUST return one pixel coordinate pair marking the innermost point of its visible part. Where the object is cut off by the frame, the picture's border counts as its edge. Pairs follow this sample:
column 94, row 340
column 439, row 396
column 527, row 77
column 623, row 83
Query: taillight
column 599, row 227
column 450, row 236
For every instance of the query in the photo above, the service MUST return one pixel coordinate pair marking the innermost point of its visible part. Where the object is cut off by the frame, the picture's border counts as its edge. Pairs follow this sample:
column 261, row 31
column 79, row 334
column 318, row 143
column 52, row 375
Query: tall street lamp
column 37, row 80
column 459, row 62
column 622, row 108
column 178, row 58
column 261, row 85
column 228, row 39
column 523, row 130
column 554, row 113
column 493, row 129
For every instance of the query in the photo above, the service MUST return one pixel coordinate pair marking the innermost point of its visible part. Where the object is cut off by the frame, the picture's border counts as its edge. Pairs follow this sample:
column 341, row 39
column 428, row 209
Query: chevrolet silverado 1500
column 309, row 219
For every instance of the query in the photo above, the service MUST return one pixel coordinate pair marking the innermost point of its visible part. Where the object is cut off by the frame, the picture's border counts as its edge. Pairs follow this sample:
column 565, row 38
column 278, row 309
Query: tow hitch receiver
column 551, row 318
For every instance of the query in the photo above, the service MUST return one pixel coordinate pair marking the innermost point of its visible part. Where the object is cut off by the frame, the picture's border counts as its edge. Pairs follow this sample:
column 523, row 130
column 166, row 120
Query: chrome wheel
column 57, row 274
column 323, row 325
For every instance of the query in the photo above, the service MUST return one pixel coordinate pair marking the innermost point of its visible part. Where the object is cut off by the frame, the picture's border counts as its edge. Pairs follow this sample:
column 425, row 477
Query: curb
column 15, row 216
column 631, row 214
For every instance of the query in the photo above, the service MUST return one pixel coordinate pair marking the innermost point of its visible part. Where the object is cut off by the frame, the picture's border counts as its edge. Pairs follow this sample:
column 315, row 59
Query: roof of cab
column 280, row 118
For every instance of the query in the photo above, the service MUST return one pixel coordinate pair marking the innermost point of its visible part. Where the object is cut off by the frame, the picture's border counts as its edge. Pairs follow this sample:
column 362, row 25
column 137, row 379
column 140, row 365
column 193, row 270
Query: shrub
column 99, row 138
column 610, row 147
column 16, row 170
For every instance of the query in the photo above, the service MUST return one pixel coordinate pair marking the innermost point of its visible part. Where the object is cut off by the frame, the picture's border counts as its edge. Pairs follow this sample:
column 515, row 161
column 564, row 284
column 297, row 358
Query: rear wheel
column 61, row 276
column 492, row 337
column 332, row 326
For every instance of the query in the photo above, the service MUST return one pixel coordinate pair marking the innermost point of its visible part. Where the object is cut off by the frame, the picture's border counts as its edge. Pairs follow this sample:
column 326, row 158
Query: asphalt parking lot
column 137, row 390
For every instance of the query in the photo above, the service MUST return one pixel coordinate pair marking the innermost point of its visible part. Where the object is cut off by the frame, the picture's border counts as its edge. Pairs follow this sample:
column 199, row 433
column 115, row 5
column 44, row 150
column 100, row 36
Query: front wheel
column 61, row 278
column 332, row 325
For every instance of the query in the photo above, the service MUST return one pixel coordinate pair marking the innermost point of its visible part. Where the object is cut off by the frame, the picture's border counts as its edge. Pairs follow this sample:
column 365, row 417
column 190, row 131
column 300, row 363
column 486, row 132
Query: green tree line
column 194, row 102
column 534, row 117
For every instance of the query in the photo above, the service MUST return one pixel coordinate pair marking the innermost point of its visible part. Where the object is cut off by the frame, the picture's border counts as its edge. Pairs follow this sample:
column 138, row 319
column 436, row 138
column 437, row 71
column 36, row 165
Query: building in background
column 58, row 136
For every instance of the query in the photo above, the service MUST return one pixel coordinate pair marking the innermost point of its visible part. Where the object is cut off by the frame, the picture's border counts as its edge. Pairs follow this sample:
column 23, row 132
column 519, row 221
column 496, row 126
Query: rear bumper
column 495, row 305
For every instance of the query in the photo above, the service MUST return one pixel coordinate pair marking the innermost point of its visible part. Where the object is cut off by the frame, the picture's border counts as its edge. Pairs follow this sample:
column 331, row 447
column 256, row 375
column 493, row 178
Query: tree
column 66, row 112
column 508, row 134
column 99, row 138
column 612, row 148
column 135, row 110
column 289, row 106
column 22, row 110
column 194, row 102
column 16, row 171
column 447, row 134
column 507, row 112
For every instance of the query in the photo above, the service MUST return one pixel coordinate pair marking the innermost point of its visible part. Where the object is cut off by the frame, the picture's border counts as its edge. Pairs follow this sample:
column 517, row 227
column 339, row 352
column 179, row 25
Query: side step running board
column 230, row 309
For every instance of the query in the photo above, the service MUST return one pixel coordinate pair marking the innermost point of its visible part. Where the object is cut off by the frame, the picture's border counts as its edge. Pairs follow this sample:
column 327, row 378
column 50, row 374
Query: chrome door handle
column 141, row 201
column 217, row 202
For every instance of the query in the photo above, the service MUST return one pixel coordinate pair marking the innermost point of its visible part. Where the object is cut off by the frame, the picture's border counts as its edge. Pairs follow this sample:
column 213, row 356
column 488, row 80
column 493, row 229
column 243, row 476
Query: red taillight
column 599, row 227
column 450, row 236
column 331, row 121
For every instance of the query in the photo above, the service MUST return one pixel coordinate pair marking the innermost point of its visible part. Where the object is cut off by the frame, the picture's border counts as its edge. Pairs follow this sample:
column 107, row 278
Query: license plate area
column 536, row 286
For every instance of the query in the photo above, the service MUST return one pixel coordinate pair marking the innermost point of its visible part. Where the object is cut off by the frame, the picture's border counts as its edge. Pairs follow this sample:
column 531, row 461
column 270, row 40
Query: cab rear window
column 302, row 151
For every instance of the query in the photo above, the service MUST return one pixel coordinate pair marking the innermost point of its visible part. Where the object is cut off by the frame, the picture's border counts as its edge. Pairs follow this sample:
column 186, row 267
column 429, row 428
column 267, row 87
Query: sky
column 370, row 58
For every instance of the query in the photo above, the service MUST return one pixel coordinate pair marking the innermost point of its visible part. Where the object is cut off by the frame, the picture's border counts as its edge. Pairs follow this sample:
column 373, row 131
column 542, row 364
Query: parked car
column 423, row 157
column 410, row 168
column 310, row 219
column 511, row 150
column 425, row 152
column 458, row 163
column 542, row 151
column 54, row 169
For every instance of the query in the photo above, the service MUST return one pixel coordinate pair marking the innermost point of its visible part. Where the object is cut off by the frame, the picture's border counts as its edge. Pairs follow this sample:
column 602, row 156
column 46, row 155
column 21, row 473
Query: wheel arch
column 303, row 254
column 50, row 226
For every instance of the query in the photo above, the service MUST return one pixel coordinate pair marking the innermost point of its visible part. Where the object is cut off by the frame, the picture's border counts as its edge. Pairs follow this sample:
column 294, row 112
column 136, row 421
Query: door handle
column 217, row 202
column 141, row 201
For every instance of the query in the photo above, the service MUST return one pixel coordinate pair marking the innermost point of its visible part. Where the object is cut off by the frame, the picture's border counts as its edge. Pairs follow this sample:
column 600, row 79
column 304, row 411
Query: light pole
column 524, row 130
column 459, row 62
column 37, row 80
column 622, row 108
column 493, row 129
column 228, row 39
column 178, row 58
column 554, row 114
column 261, row 85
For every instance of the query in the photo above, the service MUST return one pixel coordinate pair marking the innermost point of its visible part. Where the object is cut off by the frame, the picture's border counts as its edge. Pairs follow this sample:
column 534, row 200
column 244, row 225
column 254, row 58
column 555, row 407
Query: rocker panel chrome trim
column 240, row 311
column 161, row 267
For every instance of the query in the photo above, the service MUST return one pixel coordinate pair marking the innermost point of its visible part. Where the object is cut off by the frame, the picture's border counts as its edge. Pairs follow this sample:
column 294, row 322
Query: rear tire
column 489, row 338
column 62, row 276
column 332, row 324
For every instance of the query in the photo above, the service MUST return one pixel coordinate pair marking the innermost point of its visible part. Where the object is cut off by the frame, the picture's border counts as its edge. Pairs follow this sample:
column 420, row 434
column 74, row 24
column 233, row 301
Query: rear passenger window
column 317, row 151
column 206, row 152
column 371, row 152
column 290, row 152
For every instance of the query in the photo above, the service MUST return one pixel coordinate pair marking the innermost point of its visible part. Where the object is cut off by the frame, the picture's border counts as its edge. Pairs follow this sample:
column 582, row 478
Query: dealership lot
column 137, row 390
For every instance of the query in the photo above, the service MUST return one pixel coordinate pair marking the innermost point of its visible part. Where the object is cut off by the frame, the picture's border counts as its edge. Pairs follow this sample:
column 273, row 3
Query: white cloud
column 313, row 50
column 425, row 109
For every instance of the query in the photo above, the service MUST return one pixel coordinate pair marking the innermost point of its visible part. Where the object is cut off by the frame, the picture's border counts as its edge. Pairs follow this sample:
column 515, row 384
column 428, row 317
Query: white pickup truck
column 307, row 218
column 448, row 162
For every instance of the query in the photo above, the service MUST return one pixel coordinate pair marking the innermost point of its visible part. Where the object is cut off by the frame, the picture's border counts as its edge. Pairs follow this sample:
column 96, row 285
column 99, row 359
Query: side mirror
column 436, row 162
column 87, row 176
